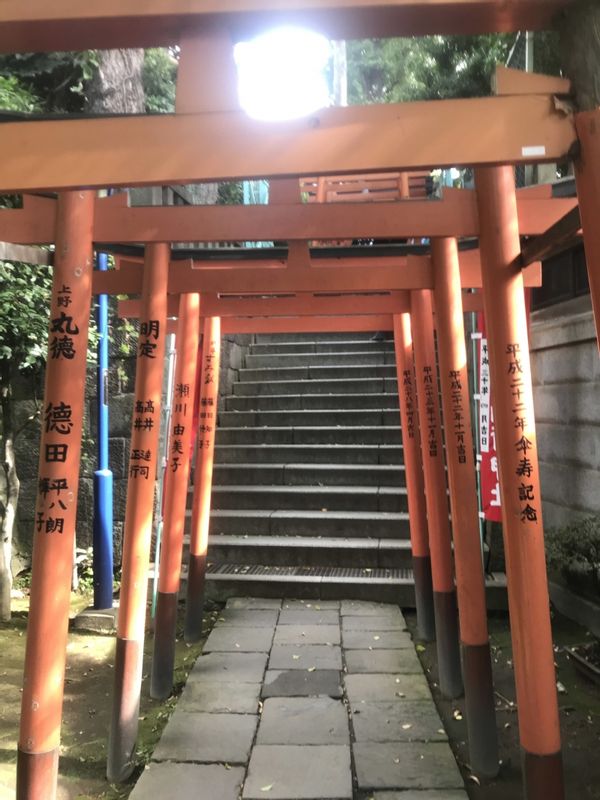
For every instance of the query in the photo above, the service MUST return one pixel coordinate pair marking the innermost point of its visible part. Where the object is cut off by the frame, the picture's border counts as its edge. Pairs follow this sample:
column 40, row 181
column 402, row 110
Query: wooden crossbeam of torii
column 63, row 25
column 455, row 214
column 300, row 305
column 373, row 274
column 227, row 145
column 303, row 313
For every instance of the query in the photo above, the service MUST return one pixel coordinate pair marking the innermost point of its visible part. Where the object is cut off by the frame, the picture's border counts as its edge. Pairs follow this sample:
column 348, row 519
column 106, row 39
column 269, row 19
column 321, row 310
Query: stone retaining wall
column 566, row 378
column 121, row 383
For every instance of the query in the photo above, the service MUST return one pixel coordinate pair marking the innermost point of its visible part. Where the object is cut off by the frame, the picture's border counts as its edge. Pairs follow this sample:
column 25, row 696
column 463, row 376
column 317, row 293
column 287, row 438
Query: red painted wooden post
column 516, row 443
column 176, row 492
column 470, row 579
column 207, row 423
column 444, row 593
column 54, row 531
column 143, row 463
column 413, row 470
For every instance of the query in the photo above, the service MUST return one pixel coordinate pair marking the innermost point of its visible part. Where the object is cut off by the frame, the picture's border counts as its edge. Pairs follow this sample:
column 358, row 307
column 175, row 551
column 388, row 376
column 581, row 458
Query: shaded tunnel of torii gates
column 209, row 139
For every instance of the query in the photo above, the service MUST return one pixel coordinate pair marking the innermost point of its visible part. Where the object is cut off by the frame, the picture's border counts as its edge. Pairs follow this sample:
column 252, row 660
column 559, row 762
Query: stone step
column 310, row 418
column 313, row 522
column 317, row 373
column 309, row 474
column 307, row 435
column 262, row 338
column 339, row 386
column 310, row 551
column 342, row 346
column 319, row 359
column 329, row 583
column 308, row 454
column 311, row 402
column 328, row 498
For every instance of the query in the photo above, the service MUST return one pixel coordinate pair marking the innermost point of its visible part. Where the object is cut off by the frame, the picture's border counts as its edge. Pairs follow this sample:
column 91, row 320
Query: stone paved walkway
column 296, row 700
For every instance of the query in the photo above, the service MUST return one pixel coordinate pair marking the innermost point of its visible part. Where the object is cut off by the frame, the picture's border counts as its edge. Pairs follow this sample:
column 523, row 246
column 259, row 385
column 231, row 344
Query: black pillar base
column 480, row 710
column 194, row 605
column 125, row 711
column 163, row 655
column 543, row 776
column 424, row 598
column 447, row 641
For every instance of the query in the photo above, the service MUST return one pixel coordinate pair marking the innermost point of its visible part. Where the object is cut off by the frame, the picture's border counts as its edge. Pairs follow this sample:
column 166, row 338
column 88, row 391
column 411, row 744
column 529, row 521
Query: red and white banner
column 490, row 477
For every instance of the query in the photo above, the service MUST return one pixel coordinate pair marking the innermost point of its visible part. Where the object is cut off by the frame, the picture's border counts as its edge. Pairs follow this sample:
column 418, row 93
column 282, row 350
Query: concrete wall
column 566, row 378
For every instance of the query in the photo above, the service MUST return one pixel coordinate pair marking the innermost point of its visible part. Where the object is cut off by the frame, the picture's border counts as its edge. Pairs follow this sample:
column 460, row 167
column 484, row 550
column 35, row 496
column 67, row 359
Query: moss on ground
column 86, row 711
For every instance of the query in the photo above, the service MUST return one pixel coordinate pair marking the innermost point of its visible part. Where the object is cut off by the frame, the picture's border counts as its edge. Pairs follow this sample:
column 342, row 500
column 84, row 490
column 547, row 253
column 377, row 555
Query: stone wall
column 566, row 377
column 29, row 396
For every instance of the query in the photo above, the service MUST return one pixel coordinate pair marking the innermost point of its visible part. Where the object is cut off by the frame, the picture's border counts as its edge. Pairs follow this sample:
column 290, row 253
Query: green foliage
column 24, row 311
column 57, row 80
column 576, row 544
column 546, row 53
column 15, row 97
column 159, row 76
column 230, row 194
column 428, row 68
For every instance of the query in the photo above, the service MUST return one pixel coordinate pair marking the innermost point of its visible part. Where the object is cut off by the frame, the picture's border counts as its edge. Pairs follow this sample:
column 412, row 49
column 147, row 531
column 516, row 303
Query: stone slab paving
column 382, row 623
column 207, row 738
column 303, row 700
column 230, row 667
column 305, row 656
column 303, row 720
column 404, row 660
column 231, row 639
column 307, row 634
column 220, row 697
column 297, row 683
column 377, row 640
column 312, row 616
column 247, row 617
column 171, row 781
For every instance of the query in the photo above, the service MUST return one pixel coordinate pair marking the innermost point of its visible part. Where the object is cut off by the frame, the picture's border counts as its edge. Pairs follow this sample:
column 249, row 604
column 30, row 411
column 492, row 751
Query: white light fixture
column 281, row 74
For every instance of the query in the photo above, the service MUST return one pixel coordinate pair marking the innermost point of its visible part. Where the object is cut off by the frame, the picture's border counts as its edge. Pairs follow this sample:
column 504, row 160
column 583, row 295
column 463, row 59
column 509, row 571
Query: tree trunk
column 579, row 29
column 117, row 86
column 9, row 490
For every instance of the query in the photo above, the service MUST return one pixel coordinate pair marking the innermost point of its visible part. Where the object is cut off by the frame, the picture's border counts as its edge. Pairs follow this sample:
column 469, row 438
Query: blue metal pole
column 103, row 477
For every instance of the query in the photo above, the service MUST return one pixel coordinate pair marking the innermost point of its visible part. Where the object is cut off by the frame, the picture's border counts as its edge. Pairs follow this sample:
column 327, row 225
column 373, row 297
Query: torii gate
column 208, row 140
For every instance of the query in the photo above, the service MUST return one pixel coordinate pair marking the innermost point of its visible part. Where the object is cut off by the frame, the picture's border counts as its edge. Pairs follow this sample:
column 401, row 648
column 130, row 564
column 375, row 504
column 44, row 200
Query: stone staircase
column 309, row 495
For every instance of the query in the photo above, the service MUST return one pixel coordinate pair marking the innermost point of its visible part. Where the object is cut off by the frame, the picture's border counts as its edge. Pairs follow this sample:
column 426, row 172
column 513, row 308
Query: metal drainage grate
column 310, row 572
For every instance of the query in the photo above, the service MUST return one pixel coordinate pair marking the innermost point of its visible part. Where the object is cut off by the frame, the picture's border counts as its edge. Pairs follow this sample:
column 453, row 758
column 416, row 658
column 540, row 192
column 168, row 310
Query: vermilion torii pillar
column 413, row 470
column 54, row 532
column 176, row 492
column 444, row 592
column 207, row 423
column 143, row 461
column 470, row 579
column 516, row 443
